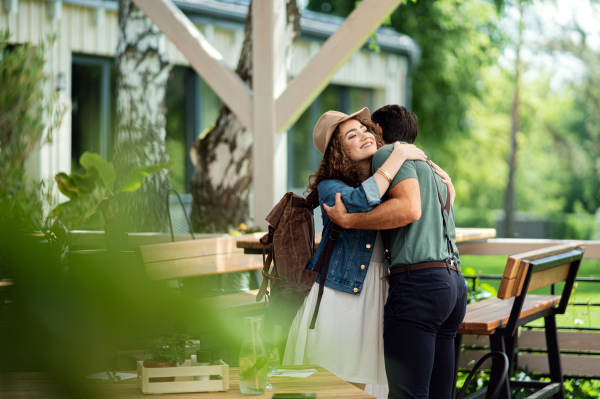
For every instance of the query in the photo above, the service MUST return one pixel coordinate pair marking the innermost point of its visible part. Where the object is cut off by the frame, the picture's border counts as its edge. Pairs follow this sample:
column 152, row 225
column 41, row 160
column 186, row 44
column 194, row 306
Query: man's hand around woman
column 338, row 213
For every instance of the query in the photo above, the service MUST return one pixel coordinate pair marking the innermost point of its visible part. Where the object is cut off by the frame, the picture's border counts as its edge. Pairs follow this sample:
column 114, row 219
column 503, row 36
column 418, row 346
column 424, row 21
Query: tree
column 509, row 204
column 577, row 132
column 143, row 70
column 222, row 179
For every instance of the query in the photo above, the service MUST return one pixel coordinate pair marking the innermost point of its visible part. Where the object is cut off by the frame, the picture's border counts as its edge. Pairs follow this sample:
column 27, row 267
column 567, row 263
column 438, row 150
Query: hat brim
column 362, row 113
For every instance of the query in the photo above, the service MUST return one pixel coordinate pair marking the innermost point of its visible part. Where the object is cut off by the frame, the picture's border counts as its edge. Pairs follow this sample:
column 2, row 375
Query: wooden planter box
column 184, row 378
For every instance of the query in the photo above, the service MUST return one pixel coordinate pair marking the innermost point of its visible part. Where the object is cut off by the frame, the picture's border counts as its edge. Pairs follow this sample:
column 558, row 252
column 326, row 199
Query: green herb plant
column 168, row 348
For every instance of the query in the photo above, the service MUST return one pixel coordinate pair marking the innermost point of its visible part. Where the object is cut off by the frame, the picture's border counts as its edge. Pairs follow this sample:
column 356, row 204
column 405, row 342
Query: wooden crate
column 184, row 378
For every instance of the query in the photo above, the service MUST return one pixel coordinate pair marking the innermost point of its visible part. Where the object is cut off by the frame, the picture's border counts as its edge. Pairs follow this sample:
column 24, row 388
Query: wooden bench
column 205, row 257
column 201, row 309
column 500, row 318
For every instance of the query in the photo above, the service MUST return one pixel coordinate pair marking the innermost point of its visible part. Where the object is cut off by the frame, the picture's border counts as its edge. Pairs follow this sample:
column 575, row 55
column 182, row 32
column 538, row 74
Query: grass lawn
column 588, row 292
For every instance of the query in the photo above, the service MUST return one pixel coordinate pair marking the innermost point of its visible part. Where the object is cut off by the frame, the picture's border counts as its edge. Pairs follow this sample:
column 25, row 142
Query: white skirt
column 348, row 335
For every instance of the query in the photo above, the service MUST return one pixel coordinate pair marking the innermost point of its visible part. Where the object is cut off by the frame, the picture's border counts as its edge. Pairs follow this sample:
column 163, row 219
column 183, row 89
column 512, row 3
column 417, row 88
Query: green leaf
column 133, row 180
column 96, row 199
column 67, row 185
column 74, row 211
column 91, row 160
column 468, row 271
column 86, row 182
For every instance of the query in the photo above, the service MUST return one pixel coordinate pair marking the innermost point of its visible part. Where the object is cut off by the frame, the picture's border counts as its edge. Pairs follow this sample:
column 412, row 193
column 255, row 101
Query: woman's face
column 359, row 144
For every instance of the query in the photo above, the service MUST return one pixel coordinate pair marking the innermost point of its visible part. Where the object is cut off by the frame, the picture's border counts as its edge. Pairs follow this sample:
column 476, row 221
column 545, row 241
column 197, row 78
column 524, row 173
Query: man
column 427, row 294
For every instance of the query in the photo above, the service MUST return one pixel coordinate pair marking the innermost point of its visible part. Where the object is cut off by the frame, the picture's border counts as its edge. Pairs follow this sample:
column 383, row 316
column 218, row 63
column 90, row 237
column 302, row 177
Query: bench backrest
column 208, row 256
column 547, row 266
column 537, row 269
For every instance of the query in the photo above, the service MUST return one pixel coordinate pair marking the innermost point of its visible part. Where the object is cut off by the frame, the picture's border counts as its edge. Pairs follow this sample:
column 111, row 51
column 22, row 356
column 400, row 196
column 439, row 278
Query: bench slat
column 206, row 265
column 484, row 320
column 236, row 303
column 548, row 277
column 188, row 249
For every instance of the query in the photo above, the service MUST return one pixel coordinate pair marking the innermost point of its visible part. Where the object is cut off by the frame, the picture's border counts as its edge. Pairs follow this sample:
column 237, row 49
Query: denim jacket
column 352, row 252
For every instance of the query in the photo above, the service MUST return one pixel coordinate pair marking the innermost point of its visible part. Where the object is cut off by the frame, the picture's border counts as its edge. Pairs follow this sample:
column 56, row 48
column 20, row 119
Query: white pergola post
column 268, row 81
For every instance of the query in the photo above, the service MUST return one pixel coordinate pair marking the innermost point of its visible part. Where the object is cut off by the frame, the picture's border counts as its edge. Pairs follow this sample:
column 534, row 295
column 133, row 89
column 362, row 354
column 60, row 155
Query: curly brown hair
column 336, row 164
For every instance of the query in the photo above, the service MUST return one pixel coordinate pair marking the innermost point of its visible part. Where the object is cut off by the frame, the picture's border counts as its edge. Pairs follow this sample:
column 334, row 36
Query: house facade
column 83, row 66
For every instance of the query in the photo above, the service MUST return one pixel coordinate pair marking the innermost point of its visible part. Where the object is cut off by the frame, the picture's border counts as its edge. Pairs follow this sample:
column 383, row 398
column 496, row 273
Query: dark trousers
column 423, row 312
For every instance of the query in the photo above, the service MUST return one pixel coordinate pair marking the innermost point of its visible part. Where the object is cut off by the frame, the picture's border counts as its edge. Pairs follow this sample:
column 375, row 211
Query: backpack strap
column 266, row 240
column 322, row 266
column 445, row 212
column 312, row 199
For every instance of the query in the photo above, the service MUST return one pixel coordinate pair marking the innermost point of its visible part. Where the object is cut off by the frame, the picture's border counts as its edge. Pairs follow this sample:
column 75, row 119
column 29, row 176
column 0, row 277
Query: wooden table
column 43, row 385
column 465, row 235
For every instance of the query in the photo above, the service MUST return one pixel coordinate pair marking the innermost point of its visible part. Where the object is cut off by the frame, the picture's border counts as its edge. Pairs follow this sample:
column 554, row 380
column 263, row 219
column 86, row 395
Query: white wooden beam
column 269, row 79
column 350, row 37
column 203, row 57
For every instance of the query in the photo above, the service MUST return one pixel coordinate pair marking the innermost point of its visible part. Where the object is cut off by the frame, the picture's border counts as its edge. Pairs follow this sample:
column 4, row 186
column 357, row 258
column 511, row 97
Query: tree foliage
column 576, row 130
column 457, row 38
column 29, row 113
column 463, row 90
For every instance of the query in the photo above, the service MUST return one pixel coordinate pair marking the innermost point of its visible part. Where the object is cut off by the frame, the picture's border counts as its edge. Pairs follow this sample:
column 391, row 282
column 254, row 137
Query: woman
column 347, row 338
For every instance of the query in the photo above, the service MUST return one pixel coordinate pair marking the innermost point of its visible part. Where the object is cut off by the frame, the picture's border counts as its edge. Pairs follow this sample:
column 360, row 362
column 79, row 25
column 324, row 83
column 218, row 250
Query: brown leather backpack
column 291, row 239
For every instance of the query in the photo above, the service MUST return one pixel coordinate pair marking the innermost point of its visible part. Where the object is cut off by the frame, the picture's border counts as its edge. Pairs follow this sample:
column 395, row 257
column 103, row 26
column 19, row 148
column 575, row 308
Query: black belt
column 419, row 266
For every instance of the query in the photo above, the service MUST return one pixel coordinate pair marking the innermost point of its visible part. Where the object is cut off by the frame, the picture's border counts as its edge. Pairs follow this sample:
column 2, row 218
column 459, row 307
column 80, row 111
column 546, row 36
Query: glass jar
column 253, row 359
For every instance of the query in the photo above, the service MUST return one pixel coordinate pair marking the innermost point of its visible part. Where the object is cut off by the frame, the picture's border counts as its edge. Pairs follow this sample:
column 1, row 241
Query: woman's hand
column 400, row 153
column 408, row 152
column 445, row 179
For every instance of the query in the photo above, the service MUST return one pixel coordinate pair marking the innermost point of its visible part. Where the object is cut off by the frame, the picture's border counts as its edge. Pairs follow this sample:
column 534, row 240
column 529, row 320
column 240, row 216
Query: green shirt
column 423, row 240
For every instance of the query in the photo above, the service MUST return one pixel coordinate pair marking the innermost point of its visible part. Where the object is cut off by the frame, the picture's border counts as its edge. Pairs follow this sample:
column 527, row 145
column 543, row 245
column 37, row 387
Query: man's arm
column 402, row 208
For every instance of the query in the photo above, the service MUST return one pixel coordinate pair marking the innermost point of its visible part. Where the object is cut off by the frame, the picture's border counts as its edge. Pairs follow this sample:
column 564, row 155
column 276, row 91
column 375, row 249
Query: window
column 192, row 107
column 93, row 114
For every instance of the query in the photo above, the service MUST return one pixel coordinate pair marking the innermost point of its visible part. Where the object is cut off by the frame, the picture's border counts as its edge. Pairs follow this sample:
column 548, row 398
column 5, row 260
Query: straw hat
column 328, row 122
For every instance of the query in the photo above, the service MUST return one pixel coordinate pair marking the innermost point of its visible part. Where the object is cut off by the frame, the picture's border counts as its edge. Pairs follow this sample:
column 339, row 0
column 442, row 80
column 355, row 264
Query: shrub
column 29, row 113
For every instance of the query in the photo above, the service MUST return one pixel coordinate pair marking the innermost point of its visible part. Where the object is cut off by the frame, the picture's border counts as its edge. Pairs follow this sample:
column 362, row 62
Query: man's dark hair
column 397, row 123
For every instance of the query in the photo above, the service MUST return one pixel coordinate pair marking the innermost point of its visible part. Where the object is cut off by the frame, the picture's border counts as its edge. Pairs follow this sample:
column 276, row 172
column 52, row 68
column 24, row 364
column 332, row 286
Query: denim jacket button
column 355, row 290
column 368, row 246
column 362, row 267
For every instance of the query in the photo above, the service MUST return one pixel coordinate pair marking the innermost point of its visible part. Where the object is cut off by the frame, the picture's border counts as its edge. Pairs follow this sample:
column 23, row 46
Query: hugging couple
column 389, row 324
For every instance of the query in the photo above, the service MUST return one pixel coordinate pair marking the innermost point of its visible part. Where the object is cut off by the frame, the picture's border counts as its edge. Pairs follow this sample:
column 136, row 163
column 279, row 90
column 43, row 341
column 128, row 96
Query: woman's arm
column 400, row 153
column 360, row 199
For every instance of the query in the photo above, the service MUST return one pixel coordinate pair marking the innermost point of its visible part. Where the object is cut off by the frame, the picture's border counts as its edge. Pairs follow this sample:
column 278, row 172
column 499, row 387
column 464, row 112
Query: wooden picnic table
column 464, row 235
column 46, row 385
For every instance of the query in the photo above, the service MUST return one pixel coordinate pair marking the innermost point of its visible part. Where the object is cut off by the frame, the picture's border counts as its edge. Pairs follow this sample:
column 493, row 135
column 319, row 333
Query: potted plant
column 166, row 351
column 110, row 282
column 95, row 190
